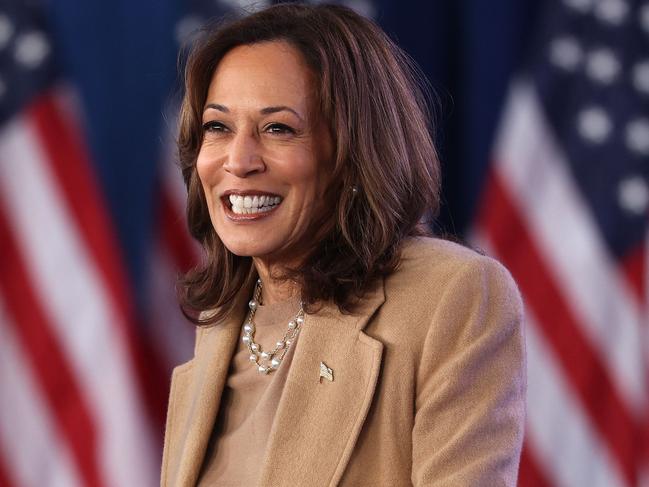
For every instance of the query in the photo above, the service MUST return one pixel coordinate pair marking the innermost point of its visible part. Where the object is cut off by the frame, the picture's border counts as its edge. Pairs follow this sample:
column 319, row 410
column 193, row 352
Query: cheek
column 207, row 170
column 202, row 167
column 312, row 169
column 207, row 177
column 306, row 181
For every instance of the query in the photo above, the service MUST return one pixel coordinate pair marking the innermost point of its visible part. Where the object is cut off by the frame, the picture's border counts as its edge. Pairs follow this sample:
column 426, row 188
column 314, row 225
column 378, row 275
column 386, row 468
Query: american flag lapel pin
column 326, row 372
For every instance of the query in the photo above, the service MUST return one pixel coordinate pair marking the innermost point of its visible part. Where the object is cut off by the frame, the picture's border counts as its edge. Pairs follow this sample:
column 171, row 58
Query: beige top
column 428, row 390
column 238, row 442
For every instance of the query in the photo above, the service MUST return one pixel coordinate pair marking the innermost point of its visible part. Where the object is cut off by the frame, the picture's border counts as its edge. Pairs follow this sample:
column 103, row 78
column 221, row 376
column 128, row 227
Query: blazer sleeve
column 471, row 383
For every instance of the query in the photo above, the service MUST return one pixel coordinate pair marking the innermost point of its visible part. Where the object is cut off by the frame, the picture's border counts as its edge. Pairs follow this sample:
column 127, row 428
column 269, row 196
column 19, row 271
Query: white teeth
column 236, row 200
column 243, row 205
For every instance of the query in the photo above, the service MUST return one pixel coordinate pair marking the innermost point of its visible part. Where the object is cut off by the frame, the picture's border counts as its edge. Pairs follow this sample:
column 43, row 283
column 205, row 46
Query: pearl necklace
column 267, row 362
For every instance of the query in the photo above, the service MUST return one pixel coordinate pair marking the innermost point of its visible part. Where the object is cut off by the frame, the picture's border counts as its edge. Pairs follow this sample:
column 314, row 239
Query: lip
column 248, row 192
column 248, row 217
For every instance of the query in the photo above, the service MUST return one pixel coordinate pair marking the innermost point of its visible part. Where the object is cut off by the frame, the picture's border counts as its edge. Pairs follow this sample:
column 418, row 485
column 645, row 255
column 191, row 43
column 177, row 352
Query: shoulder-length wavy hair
column 386, row 173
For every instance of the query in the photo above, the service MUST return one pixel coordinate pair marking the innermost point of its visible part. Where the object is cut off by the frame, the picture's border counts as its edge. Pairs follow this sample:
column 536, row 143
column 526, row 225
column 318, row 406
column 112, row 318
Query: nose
column 244, row 156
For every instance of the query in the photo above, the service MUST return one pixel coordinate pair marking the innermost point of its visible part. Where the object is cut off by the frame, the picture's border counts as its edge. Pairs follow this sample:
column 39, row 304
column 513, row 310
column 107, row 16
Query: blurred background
column 542, row 121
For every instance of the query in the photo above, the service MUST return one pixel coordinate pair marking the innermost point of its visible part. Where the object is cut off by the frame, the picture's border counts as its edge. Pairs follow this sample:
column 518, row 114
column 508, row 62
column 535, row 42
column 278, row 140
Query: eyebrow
column 216, row 106
column 263, row 111
column 281, row 108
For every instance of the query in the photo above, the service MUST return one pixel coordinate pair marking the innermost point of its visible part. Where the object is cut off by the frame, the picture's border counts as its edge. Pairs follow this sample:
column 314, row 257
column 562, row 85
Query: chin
column 248, row 249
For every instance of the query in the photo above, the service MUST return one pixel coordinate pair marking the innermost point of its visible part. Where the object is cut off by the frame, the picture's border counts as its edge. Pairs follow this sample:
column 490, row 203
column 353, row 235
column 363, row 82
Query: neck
column 272, row 290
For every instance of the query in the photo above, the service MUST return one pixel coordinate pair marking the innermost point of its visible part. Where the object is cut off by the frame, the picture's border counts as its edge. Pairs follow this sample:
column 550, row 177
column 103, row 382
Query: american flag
column 83, row 376
column 566, row 209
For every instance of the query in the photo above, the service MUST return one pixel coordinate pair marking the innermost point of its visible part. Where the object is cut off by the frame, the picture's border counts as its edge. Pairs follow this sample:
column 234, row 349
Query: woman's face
column 265, row 152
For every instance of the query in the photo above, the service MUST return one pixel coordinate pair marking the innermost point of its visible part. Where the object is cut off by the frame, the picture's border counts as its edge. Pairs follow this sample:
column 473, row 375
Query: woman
column 335, row 344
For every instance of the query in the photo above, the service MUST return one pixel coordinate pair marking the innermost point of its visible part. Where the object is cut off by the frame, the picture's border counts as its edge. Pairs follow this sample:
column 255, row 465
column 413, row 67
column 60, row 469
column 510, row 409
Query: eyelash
column 214, row 127
column 273, row 128
column 279, row 128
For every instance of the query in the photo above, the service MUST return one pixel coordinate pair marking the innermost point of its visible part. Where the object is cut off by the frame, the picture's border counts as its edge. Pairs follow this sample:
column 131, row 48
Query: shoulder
column 438, row 281
column 433, row 264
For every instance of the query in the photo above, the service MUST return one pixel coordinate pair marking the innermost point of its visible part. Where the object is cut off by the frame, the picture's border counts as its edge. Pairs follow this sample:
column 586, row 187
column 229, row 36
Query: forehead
column 268, row 73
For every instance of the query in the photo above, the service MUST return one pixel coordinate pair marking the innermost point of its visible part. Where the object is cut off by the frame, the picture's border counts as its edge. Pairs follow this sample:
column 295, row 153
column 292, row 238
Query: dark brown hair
column 370, row 95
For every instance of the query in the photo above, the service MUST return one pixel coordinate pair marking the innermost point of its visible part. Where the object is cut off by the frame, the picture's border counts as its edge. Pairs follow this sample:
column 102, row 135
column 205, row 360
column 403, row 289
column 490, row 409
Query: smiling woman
column 266, row 153
column 337, row 344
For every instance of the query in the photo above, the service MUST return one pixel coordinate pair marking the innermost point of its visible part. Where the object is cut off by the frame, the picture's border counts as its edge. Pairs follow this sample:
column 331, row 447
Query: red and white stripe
column 570, row 449
column 67, row 317
column 586, row 327
column 30, row 441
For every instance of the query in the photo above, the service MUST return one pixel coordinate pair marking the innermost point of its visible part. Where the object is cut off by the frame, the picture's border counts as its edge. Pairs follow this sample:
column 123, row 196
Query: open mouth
column 251, row 204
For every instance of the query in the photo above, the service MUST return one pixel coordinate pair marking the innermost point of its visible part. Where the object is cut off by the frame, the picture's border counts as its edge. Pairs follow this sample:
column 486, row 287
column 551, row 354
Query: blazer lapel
column 195, row 412
column 318, row 421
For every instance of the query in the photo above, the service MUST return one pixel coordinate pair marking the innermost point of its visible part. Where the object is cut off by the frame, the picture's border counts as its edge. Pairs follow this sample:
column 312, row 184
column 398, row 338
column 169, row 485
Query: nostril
column 244, row 167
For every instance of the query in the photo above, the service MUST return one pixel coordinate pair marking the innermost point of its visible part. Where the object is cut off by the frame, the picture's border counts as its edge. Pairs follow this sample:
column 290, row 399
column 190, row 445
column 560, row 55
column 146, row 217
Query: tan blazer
column 428, row 389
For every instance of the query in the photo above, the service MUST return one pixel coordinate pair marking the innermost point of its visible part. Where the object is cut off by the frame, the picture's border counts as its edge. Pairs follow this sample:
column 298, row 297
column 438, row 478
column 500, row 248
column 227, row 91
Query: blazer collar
column 317, row 421
column 214, row 349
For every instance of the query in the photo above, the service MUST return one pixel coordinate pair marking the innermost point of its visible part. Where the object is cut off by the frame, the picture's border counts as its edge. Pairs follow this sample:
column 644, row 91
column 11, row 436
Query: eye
column 214, row 126
column 279, row 128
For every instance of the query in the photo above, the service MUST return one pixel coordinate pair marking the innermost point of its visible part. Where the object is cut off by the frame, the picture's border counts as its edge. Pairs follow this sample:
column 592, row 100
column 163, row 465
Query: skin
column 262, row 135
